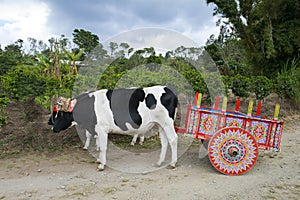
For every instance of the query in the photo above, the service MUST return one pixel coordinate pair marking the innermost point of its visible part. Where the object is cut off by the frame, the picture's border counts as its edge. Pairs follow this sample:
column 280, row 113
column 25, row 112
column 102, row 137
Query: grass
column 7, row 139
column 123, row 141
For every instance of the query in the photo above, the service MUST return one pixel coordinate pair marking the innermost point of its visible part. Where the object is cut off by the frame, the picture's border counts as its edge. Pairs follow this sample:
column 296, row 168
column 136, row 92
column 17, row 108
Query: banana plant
column 73, row 56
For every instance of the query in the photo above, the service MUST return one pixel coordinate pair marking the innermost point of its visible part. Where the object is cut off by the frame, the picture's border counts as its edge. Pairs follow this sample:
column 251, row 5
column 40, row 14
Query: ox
column 88, row 135
column 125, row 111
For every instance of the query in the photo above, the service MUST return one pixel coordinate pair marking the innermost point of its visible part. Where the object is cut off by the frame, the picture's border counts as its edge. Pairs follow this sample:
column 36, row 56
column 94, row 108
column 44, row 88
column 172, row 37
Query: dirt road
column 72, row 175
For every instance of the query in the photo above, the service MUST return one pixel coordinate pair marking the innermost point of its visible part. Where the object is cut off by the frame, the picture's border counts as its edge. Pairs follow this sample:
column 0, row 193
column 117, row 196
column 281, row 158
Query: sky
column 43, row 19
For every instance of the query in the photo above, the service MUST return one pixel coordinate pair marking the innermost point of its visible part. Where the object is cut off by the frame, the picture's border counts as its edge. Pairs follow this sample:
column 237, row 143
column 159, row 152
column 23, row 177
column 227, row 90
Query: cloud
column 107, row 18
column 202, row 33
column 162, row 40
column 43, row 19
column 22, row 19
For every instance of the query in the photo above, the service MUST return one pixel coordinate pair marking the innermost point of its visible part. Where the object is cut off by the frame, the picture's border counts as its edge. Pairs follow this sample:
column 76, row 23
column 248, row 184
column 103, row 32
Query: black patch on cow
column 150, row 101
column 52, row 118
column 62, row 121
column 84, row 112
column 124, row 104
column 169, row 101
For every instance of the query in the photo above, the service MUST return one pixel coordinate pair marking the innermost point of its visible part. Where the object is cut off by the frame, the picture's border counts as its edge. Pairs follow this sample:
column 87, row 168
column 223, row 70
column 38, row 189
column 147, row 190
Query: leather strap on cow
column 72, row 105
column 66, row 105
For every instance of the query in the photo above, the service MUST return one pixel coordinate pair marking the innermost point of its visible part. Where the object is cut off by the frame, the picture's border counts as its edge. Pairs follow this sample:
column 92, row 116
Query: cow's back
column 135, row 110
column 124, row 104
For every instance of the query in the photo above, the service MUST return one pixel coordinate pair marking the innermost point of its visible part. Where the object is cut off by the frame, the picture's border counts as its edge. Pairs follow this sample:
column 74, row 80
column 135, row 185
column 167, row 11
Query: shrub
column 3, row 114
column 287, row 83
column 240, row 85
column 261, row 86
column 23, row 82
column 27, row 81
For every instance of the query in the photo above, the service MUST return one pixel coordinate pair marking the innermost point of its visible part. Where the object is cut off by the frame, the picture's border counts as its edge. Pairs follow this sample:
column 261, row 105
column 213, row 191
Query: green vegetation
column 3, row 103
column 266, row 31
column 257, row 52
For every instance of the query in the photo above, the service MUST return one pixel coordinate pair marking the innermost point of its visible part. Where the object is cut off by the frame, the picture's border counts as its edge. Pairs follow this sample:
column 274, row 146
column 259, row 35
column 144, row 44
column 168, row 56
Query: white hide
column 158, row 116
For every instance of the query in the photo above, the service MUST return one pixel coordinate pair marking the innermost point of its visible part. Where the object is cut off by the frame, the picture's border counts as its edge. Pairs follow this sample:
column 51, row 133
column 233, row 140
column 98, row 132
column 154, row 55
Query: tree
column 125, row 48
column 56, row 54
column 36, row 46
column 45, row 64
column 73, row 56
column 267, row 29
column 85, row 40
column 229, row 56
column 113, row 47
column 11, row 56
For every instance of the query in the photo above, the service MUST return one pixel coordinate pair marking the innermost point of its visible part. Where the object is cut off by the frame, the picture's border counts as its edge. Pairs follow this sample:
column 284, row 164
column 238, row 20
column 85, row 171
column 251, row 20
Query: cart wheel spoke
column 233, row 151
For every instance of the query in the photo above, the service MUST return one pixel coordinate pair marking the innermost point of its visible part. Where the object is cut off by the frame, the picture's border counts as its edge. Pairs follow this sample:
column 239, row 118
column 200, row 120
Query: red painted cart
column 234, row 138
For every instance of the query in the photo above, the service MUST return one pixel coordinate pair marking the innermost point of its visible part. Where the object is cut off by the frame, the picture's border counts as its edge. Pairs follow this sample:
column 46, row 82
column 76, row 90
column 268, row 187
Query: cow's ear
column 72, row 105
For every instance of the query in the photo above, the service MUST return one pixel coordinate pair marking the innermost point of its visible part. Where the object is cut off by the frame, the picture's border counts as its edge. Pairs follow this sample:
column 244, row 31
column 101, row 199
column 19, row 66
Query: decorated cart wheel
column 232, row 151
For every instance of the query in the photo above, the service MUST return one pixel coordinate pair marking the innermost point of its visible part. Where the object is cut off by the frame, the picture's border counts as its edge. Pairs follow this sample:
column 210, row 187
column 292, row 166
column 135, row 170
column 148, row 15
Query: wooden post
column 250, row 107
column 195, row 99
column 199, row 99
column 217, row 103
column 276, row 112
column 237, row 105
column 258, row 109
column 224, row 104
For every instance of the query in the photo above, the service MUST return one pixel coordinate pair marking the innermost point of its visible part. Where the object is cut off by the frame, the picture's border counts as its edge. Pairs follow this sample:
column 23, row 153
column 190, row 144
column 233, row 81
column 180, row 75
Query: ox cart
column 234, row 138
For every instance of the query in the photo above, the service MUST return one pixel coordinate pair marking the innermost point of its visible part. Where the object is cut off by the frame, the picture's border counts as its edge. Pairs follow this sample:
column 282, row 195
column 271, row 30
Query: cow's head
column 62, row 114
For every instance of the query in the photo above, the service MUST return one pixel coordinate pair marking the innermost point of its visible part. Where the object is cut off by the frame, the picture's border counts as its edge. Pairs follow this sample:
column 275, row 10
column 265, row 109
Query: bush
column 261, row 86
column 287, row 84
column 227, row 81
column 27, row 81
column 3, row 103
column 23, row 82
column 241, row 85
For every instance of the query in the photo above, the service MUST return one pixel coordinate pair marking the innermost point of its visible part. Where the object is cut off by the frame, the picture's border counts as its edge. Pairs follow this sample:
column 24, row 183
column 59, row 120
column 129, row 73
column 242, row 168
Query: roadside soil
column 37, row 164
column 71, row 175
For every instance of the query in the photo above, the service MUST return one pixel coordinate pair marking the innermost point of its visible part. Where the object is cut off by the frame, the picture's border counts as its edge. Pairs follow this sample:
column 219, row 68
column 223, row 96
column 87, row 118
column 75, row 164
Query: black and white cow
column 88, row 135
column 125, row 111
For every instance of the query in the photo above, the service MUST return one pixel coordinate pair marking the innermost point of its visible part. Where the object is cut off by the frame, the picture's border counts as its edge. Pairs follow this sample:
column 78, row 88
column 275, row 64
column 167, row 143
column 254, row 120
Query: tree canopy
column 85, row 40
column 267, row 30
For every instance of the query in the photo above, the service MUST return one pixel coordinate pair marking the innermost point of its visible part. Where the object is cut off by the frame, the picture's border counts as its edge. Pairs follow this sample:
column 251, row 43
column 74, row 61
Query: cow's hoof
column 99, row 170
column 97, row 162
column 158, row 164
column 84, row 149
column 170, row 167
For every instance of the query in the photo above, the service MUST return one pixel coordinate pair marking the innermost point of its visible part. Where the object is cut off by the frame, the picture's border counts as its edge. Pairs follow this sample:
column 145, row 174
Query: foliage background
column 256, row 52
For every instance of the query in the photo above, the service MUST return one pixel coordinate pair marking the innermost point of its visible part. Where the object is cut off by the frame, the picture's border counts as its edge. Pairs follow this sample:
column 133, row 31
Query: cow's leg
column 164, row 146
column 142, row 138
column 172, row 139
column 135, row 136
column 97, row 143
column 87, row 141
column 102, row 141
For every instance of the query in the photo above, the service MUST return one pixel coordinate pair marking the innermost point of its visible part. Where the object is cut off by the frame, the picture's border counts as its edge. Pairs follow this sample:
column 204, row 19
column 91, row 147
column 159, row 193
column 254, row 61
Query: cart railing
column 203, row 123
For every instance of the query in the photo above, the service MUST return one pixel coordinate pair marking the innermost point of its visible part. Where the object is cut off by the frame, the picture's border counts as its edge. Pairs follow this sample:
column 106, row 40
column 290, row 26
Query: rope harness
column 62, row 104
